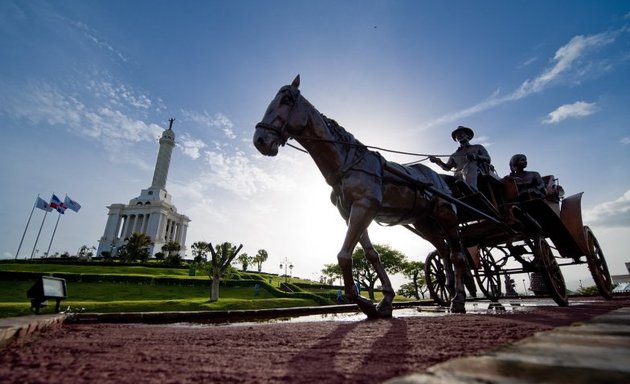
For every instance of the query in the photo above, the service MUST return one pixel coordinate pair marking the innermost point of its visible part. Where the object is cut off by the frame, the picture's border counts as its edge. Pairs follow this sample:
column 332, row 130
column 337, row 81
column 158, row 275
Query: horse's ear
column 296, row 82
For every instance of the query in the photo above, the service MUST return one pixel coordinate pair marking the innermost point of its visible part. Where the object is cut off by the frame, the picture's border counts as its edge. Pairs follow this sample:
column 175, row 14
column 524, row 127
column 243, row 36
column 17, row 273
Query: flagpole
column 53, row 235
column 26, row 228
column 40, row 231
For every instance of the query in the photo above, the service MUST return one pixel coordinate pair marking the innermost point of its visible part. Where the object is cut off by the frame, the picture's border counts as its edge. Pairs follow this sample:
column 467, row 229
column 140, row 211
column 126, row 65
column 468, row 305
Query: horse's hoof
column 367, row 307
column 458, row 308
column 384, row 310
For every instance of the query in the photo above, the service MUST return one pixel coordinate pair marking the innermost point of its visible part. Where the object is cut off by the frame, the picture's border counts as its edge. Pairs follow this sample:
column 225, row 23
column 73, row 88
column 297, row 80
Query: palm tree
column 135, row 248
column 260, row 258
column 200, row 251
column 244, row 259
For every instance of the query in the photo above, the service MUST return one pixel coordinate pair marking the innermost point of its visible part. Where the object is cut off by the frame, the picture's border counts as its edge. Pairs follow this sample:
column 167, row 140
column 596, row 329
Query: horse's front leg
column 384, row 307
column 359, row 218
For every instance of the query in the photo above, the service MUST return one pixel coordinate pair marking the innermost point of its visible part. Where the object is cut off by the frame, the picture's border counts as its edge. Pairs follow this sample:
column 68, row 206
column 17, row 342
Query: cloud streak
column 568, row 60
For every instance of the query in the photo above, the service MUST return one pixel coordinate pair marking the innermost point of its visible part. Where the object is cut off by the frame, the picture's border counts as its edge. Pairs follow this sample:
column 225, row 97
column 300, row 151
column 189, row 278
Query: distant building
column 618, row 279
column 151, row 213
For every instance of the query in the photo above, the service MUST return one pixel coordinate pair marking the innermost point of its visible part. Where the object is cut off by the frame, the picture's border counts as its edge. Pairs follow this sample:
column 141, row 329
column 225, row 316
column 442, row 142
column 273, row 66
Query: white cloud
column 239, row 175
column 567, row 111
column 218, row 120
column 119, row 94
column 190, row 146
column 625, row 140
column 41, row 102
column 567, row 59
column 612, row 214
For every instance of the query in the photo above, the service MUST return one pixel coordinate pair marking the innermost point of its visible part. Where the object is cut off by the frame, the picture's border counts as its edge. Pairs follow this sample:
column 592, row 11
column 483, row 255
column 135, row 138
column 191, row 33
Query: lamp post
column 289, row 265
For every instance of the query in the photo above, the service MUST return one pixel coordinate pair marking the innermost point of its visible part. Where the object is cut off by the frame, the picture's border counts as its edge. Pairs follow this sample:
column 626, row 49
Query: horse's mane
column 340, row 132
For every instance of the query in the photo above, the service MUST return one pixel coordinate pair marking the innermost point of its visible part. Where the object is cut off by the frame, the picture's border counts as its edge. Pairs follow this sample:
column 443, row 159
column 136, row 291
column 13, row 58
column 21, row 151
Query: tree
column 588, row 291
column 407, row 290
column 171, row 249
column 244, row 259
column 414, row 270
column 135, row 248
column 222, row 256
column 260, row 258
column 391, row 259
column 85, row 252
column 200, row 251
column 332, row 272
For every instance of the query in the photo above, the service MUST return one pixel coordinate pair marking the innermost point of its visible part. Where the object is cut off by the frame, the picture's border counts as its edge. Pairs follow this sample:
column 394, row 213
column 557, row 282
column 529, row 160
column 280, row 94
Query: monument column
column 167, row 143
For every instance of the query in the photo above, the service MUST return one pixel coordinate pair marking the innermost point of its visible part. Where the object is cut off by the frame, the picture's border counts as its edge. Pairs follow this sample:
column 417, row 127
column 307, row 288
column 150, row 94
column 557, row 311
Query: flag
column 42, row 204
column 73, row 205
column 57, row 204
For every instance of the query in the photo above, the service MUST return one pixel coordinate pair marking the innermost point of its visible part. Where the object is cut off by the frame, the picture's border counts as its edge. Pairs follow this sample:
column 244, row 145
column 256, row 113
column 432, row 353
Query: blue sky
column 86, row 87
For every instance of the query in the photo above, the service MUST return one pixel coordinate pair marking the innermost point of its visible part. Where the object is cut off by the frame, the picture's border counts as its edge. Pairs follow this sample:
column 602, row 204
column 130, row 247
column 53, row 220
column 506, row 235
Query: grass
column 112, row 297
column 130, row 297
column 96, row 269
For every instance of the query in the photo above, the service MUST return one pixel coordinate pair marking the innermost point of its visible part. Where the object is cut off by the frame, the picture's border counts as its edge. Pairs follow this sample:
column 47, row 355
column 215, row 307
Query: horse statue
column 366, row 187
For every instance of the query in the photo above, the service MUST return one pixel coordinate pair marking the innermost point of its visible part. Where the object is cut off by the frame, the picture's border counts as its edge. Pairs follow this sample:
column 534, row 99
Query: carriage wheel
column 551, row 273
column 435, row 275
column 488, row 275
column 597, row 265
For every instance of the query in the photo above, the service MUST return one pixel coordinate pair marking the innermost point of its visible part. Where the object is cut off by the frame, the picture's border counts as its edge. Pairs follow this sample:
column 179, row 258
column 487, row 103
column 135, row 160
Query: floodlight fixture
column 46, row 288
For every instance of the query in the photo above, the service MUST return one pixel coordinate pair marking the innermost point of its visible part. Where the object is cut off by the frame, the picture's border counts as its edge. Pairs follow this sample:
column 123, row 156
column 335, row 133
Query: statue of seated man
column 469, row 160
column 530, row 184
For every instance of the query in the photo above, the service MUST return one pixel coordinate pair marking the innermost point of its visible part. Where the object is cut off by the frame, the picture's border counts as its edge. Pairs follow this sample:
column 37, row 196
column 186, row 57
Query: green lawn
column 112, row 297
column 96, row 269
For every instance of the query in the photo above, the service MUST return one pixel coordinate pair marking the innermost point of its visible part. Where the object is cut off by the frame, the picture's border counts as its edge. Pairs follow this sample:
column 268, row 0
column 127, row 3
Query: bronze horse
column 366, row 187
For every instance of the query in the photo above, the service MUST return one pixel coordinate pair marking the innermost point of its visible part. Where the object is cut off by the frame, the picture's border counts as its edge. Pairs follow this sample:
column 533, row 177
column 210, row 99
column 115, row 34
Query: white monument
column 151, row 213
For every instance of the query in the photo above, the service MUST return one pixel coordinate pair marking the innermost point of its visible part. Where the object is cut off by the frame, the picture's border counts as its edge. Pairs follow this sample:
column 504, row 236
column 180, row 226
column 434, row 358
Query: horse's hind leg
column 445, row 238
column 384, row 307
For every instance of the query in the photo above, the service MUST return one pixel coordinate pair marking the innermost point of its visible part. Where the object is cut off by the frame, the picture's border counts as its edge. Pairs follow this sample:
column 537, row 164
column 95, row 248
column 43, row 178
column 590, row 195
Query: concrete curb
column 21, row 329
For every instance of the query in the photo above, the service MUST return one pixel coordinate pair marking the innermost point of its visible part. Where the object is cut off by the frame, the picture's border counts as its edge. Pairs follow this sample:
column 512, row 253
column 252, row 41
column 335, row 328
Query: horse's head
column 281, row 120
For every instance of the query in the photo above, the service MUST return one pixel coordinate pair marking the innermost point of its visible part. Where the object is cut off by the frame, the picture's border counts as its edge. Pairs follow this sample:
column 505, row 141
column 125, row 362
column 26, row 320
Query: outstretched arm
column 445, row 166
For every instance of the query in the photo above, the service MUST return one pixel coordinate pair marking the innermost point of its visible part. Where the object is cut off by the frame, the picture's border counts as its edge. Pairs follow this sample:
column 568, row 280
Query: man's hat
column 464, row 129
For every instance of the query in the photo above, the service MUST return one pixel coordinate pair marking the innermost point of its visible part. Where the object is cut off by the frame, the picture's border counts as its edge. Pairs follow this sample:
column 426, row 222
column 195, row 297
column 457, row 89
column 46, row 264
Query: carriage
column 506, row 235
column 468, row 229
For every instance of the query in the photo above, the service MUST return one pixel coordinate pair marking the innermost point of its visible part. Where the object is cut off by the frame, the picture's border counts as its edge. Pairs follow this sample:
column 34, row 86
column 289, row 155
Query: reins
column 372, row 147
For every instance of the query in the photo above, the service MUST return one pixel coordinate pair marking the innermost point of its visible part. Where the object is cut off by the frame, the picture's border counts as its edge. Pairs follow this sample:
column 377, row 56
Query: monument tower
column 151, row 213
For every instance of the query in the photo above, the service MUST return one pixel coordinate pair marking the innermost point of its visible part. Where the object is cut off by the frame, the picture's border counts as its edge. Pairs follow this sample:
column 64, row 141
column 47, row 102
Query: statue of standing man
column 469, row 160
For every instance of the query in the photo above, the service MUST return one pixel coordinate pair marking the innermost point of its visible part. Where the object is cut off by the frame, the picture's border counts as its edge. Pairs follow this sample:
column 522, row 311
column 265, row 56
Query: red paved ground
column 314, row 352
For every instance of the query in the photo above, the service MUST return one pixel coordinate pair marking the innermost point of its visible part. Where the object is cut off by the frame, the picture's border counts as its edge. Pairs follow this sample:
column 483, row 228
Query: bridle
column 283, row 131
